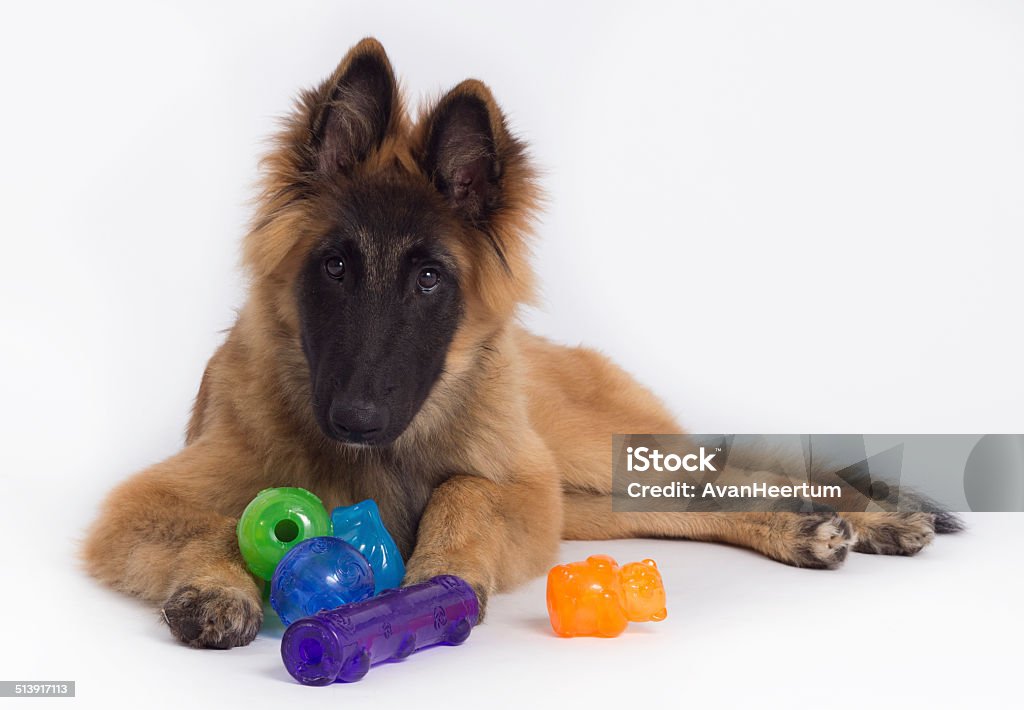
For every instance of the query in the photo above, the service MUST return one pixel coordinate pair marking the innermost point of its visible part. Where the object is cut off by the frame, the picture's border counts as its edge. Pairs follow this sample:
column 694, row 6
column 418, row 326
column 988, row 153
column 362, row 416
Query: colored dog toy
column 360, row 526
column 274, row 522
column 342, row 644
column 317, row 574
column 598, row 598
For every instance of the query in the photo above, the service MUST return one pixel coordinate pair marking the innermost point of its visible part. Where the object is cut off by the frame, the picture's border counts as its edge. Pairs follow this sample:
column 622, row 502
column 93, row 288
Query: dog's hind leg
column 908, row 526
column 899, row 533
column 817, row 540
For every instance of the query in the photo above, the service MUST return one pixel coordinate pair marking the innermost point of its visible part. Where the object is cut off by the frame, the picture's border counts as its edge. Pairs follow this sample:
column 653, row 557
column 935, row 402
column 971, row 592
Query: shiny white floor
column 939, row 630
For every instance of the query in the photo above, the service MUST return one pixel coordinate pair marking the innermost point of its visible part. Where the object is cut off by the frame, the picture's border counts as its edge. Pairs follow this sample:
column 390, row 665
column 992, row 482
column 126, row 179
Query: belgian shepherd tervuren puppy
column 378, row 356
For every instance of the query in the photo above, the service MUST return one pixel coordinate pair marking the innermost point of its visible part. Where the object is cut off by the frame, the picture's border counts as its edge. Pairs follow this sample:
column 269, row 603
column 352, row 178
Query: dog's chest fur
column 401, row 492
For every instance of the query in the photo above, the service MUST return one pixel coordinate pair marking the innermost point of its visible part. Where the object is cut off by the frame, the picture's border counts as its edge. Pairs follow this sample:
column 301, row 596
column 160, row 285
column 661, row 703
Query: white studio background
column 784, row 217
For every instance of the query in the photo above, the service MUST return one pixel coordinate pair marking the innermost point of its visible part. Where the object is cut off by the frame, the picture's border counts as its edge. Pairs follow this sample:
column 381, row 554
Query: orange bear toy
column 598, row 598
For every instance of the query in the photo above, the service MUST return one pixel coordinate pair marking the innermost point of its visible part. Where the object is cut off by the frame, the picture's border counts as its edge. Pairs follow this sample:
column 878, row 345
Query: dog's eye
column 428, row 279
column 335, row 268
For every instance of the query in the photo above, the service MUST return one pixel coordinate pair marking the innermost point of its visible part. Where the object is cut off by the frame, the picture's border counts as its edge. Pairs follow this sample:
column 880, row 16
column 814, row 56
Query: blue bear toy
column 361, row 527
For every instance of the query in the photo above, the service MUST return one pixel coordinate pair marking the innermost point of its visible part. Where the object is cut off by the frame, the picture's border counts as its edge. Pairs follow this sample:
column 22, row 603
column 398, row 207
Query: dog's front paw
column 893, row 533
column 816, row 540
column 423, row 569
column 208, row 615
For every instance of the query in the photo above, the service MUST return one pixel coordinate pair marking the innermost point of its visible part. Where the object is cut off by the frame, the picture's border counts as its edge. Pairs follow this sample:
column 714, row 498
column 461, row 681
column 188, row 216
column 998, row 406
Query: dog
column 378, row 356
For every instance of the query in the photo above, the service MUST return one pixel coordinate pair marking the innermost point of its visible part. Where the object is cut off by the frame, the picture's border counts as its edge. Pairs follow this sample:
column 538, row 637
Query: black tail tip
column 946, row 523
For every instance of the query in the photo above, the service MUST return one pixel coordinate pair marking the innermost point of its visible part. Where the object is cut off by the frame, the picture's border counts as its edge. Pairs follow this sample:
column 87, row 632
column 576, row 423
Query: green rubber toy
column 274, row 522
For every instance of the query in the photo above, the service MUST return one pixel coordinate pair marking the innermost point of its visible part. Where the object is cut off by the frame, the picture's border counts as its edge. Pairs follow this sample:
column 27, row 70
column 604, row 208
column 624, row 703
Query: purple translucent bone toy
column 343, row 643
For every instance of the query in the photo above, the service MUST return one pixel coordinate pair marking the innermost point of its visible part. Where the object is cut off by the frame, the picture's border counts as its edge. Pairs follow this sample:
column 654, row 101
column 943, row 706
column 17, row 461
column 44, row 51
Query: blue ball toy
column 317, row 574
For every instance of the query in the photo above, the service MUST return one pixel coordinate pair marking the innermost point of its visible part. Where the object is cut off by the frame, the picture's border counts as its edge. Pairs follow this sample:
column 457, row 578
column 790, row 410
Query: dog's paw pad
column 212, row 617
column 420, row 570
column 821, row 541
column 895, row 533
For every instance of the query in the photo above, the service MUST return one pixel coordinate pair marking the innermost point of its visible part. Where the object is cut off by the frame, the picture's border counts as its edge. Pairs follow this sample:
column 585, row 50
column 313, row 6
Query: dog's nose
column 358, row 422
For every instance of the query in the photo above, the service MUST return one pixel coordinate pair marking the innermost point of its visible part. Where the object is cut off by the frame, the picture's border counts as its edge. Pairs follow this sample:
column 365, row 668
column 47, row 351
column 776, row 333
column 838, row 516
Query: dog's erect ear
column 466, row 148
column 463, row 146
column 355, row 108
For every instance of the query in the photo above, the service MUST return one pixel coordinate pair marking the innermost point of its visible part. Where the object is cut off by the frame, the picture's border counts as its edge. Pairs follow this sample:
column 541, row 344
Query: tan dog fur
column 510, row 453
